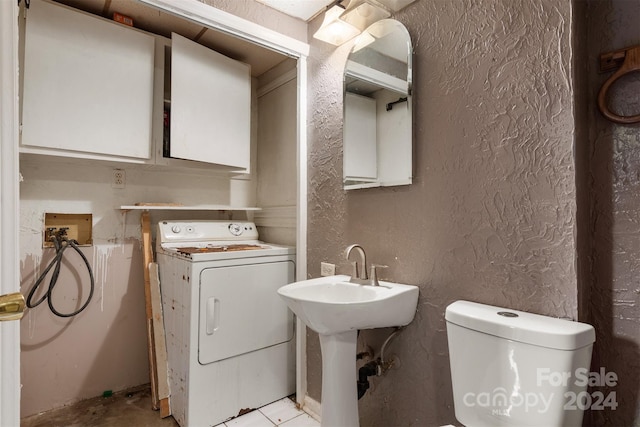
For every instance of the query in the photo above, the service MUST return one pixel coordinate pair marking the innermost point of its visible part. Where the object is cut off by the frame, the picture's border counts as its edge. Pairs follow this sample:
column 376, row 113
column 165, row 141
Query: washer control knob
column 235, row 229
column 176, row 229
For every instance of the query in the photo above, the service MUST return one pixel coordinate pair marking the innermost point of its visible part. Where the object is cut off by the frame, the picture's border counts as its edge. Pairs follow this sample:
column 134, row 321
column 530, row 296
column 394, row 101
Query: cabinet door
column 210, row 106
column 360, row 139
column 88, row 85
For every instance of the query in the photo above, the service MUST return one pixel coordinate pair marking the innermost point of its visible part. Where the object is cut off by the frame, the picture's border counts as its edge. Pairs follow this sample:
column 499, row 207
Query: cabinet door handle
column 213, row 315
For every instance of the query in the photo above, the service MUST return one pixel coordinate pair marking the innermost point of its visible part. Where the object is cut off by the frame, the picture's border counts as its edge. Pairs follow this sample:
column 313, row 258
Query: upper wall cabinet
column 96, row 89
column 210, row 106
column 378, row 145
column 88, row 86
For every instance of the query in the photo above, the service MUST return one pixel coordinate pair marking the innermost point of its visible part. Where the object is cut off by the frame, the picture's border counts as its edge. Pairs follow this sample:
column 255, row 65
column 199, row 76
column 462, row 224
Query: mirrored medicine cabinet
column 377, row 139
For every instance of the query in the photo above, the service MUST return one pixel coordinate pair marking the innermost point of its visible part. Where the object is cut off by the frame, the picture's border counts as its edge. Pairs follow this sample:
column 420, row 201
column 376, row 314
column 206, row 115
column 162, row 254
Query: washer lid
column 521, row 326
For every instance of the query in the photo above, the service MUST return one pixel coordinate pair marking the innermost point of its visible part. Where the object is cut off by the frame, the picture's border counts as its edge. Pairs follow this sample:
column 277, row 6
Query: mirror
column 377, row 139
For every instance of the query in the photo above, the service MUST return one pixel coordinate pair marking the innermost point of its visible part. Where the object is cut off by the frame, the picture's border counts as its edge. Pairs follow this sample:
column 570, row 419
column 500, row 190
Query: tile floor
column 133, row 408
column 282, row 413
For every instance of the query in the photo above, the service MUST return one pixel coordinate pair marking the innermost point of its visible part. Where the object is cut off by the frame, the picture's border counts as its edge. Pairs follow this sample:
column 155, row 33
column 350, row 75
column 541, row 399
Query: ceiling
column 301, row 9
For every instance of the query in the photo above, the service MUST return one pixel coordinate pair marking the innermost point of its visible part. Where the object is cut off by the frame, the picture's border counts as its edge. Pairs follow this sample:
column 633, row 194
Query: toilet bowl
column 512, row 368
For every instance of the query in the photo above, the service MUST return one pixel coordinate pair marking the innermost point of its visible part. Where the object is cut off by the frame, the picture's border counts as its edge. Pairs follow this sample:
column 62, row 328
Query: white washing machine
column 230, row 337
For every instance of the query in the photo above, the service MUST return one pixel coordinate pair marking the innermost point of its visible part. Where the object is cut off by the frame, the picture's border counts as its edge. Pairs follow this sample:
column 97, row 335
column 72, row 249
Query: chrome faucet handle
column 373, row 277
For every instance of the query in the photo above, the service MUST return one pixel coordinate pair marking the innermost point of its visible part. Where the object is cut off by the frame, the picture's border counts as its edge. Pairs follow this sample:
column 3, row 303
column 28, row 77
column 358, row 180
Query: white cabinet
column 210, row 113
column 88, row 86
column 95, row 89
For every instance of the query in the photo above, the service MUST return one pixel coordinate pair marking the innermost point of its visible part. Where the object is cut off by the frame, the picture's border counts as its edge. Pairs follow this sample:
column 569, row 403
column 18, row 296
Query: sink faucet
column 361, row 275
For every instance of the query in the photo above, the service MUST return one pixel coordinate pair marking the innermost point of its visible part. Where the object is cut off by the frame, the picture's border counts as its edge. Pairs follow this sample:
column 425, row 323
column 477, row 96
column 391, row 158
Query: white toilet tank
column 511, row 368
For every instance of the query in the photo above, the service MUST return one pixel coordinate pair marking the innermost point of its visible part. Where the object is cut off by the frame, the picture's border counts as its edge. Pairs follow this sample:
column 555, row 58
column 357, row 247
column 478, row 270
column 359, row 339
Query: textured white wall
column 104, row 347
column 491, row 214
column 611, row 233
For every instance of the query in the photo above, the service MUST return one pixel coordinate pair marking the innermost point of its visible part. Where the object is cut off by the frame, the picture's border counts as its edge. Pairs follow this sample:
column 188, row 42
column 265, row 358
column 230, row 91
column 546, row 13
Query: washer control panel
column 203, row 231
column 236, row 229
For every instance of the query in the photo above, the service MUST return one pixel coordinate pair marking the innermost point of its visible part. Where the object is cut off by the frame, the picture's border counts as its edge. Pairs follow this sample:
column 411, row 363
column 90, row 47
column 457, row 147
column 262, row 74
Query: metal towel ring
column 631, row 63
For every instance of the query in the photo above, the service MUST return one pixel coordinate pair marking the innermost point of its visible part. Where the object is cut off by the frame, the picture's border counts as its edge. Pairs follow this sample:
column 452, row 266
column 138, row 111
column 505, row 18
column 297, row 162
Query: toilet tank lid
column 521, row 326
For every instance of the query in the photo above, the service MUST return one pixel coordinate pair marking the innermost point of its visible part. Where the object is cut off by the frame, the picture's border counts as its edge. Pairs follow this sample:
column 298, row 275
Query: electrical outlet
column 119, row 178
column 327, row 269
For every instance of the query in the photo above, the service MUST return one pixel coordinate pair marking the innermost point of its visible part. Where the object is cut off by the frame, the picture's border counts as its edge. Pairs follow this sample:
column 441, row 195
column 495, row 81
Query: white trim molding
column 226, row 22
column 312, row 407
column 9, row 211
column 223, row 21
column 301, row 232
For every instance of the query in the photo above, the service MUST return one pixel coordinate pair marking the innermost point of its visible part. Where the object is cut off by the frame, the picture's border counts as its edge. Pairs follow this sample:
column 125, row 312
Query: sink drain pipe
column 369, row 369
column 375, row 367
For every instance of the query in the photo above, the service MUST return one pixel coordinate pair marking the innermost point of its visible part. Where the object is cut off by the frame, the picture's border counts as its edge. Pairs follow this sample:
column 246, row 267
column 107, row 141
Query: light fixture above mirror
column 362, row 13
column 341, row 23
column 333, row 30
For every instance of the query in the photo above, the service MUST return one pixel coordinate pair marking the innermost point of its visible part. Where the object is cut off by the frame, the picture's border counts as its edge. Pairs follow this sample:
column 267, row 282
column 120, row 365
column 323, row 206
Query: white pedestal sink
column 336, row 309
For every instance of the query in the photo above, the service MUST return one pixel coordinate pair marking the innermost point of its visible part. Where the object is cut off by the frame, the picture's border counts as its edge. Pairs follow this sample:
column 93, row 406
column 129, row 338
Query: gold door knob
column 11, row 306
